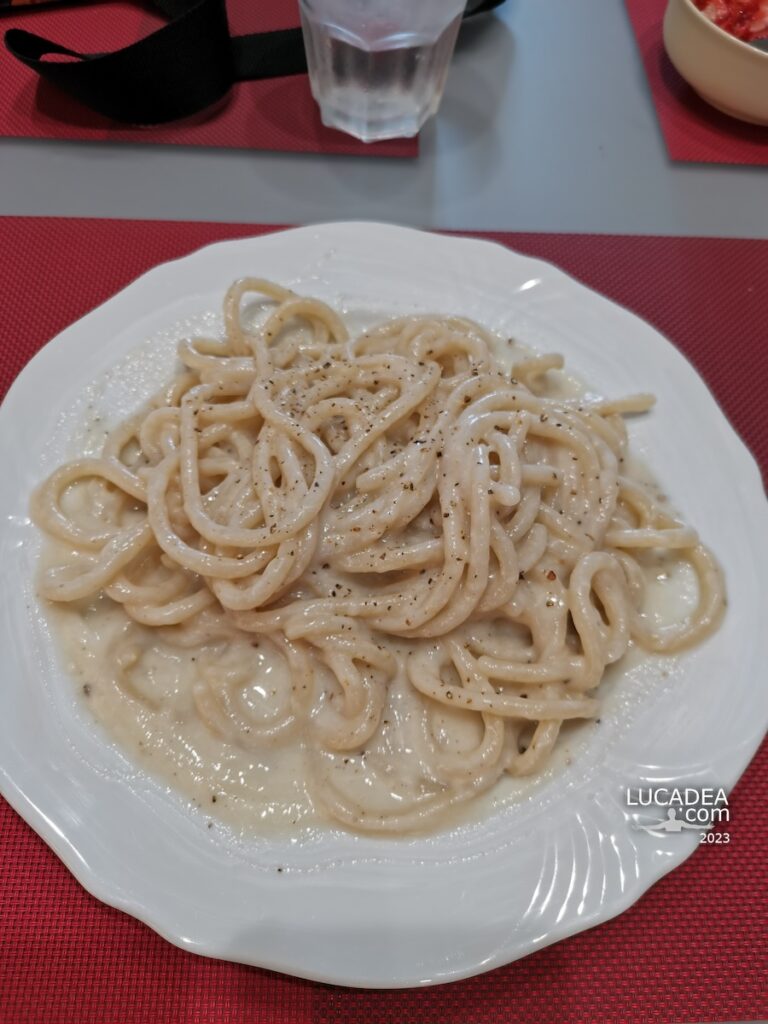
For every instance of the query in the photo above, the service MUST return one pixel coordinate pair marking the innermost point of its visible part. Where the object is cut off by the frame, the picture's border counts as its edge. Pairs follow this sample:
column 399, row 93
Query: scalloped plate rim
column 103, row 888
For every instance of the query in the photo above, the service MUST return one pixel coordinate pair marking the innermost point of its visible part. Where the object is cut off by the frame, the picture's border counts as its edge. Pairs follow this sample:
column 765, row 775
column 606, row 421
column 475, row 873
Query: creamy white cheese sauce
column 141, row 690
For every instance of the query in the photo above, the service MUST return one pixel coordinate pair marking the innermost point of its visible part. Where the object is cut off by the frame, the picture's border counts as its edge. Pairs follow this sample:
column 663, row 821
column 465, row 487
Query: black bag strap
column 174, row 72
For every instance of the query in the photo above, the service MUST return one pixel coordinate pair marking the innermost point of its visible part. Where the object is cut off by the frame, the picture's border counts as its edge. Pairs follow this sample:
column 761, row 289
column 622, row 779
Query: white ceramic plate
column 350, row 909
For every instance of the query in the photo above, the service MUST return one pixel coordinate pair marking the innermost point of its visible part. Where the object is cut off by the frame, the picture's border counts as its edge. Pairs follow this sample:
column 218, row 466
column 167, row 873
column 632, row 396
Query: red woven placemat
column 694, row 948
column 693, row 131
column 276, row 114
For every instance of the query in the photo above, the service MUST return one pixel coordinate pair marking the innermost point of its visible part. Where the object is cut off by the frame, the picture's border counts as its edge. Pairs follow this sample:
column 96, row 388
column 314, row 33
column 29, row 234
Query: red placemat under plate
column 693, row 130
column 274, row 114
column 694, row 948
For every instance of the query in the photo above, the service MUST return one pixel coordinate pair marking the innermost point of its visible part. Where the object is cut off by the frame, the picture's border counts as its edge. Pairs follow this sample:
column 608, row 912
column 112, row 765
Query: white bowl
column 369, row 910
column 725, row 71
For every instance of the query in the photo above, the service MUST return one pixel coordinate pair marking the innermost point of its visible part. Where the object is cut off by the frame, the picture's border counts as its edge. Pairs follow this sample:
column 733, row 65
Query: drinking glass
column 378, row 67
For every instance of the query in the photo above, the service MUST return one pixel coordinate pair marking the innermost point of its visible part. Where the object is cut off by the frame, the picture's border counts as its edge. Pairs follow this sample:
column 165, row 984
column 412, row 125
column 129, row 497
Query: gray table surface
column 546, row 125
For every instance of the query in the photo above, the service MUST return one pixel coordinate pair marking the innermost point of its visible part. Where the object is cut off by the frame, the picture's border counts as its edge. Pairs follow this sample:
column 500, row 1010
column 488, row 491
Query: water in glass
column 377, row 69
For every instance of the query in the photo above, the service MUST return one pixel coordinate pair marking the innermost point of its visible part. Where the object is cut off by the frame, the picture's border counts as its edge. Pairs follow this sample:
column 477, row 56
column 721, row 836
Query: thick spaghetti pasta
column 443, row 559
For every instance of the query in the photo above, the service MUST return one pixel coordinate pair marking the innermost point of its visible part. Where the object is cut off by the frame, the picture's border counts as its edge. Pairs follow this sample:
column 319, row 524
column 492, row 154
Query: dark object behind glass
column 176, row 71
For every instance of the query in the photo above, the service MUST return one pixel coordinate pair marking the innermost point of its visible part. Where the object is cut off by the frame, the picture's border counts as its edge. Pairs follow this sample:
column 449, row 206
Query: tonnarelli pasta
column 442, row 559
